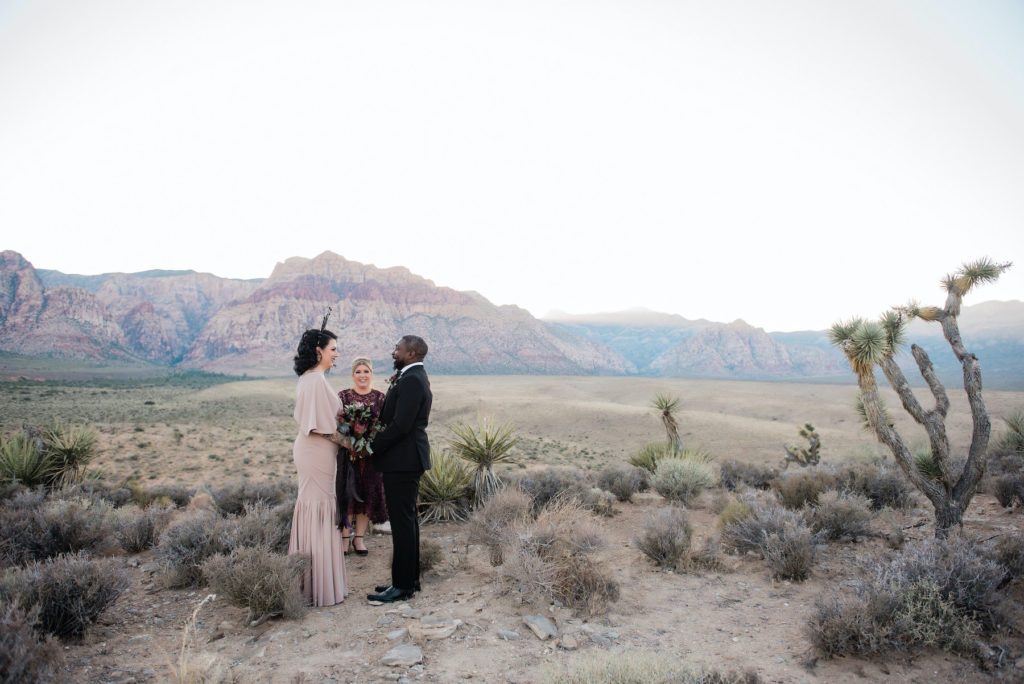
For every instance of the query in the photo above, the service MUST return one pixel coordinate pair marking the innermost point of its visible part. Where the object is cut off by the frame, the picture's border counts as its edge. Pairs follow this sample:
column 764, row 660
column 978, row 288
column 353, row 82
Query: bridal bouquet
column 357, row 420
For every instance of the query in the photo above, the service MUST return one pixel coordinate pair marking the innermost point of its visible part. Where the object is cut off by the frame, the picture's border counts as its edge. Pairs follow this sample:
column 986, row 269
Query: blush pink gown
column 315, row 519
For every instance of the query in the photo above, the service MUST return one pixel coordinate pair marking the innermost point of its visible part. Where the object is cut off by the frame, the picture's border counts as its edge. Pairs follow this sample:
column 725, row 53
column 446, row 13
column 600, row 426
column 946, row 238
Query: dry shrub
column 34, row 528
column 680, row 480
column 70, row 591
column 490, row 523
column 25, row 656
column 1008, row 489
column 137, row 530
column 938, row 593
column 779, row 535
column 548, row 483
column 640, row 667
column 883, row 484
column 431, row 555
column 623, row 481
column 185, row 545
column 599, row 502
column 732, row 511
column 233, row 498
column 178, row 494
column 116, row 496
column 801, row 488
column 790, row 552
column 839, row 515
column 666, row 538
column 194, row 666
column 734, row 474
column 1009, row 554
column 257, row 578
column 755, row 521
column 555, row 558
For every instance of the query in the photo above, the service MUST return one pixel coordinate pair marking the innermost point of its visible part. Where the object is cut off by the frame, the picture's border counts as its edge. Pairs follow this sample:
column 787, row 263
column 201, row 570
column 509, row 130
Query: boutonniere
column 393, row 379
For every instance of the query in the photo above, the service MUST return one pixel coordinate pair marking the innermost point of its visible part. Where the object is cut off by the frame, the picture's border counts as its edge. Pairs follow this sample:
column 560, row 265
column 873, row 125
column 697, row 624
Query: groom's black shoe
column 391, row 595
column 381, row 588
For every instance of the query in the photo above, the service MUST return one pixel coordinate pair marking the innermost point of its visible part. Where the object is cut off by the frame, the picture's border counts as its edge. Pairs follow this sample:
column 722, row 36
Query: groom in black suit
column 401, row 453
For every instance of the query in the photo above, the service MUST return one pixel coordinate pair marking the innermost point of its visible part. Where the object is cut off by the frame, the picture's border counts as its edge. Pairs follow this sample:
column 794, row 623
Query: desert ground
column 201, row 433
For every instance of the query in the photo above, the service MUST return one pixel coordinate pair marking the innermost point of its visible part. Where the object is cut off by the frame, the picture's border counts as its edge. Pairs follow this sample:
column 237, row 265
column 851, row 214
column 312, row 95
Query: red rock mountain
column 196, row 320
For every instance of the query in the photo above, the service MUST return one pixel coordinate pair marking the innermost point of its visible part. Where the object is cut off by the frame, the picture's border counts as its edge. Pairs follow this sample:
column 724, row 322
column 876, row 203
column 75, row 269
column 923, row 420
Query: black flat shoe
column 359, row 552
column 391, row 595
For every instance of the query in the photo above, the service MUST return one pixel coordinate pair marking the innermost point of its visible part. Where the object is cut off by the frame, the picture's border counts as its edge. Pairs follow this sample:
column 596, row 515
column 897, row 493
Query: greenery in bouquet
column 357, row 420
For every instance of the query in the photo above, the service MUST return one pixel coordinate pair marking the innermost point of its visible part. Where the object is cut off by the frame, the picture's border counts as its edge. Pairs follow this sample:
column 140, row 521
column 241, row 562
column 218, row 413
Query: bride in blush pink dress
column 315, row 519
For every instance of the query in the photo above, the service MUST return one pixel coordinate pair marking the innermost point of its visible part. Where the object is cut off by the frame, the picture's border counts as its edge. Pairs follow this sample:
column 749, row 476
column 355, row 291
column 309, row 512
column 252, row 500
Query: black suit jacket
column 402, row 446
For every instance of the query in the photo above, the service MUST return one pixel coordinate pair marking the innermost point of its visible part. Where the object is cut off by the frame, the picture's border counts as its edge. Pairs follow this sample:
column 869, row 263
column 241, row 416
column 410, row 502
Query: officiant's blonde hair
column 362, row 361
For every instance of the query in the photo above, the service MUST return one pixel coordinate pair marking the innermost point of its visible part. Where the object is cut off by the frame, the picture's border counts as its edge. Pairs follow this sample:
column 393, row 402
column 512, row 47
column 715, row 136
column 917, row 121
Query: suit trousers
column 401, row 491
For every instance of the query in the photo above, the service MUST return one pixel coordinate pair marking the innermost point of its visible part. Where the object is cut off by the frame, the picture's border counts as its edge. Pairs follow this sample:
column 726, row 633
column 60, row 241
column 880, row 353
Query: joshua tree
column 874, row 343
column 666, row 404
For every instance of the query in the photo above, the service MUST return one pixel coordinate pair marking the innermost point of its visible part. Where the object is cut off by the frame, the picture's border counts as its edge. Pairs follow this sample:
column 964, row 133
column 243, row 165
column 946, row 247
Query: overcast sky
column 790, row 163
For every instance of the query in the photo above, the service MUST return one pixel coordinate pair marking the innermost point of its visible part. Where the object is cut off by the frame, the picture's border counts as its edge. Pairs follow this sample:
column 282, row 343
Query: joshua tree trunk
column 869, row 344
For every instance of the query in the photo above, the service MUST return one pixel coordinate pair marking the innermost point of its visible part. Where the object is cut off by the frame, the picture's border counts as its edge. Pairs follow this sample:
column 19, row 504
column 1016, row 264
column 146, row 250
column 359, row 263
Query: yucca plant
column 650, row 454
column 70, row 449
column 23, row 461
column 443, row 487
column 1013, row 440
column 926, row 464
column 875, row 343
column 483, row 446
column 666, row 405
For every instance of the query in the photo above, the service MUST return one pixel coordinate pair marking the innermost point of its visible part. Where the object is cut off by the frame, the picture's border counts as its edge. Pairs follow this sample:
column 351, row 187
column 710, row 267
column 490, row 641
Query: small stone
column 568, row 643
column 612, row 635
column 150, row 567
column 433, row 627
column 542, row 626
column 398, row 634
column 601, row 640
column 414, row 613
column 403, row 655
column 508, row 634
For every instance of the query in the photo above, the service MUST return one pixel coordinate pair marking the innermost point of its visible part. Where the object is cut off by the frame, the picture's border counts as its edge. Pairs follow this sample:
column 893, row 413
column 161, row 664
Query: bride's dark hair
column 305, row 356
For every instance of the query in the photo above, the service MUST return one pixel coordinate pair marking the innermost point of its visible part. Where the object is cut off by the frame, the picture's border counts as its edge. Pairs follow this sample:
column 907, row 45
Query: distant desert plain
column 206, row 432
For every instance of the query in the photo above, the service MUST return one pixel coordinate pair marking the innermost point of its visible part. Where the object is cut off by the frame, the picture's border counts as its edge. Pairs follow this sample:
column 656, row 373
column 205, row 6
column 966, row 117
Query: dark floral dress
column 360, row 488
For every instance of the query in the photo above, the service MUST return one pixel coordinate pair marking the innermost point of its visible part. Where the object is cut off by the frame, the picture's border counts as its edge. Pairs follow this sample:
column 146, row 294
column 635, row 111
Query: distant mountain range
column 189, row 320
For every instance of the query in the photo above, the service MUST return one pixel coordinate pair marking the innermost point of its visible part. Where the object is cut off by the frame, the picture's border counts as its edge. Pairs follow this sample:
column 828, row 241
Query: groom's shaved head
column 417, row 345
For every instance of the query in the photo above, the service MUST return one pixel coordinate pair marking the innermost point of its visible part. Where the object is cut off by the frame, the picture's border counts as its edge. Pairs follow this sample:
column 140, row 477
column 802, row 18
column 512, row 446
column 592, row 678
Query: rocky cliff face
column 374, row 307
column 200, row 321
column 739, row 350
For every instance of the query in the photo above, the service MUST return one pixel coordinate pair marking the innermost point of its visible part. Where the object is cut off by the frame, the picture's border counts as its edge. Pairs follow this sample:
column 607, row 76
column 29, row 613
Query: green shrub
column 23, row 460
column 258, row 579
column 733, row 511
column 137, row 530
column 681, row 480
column 25, row 656
column 70, row 591
column 70, row 450
column 623, row 481
column 803, row 487
column 651, row 454
column 839, row 515
column 443, row 488
column 666, row 537
column 733, row 474
column 490, row 523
